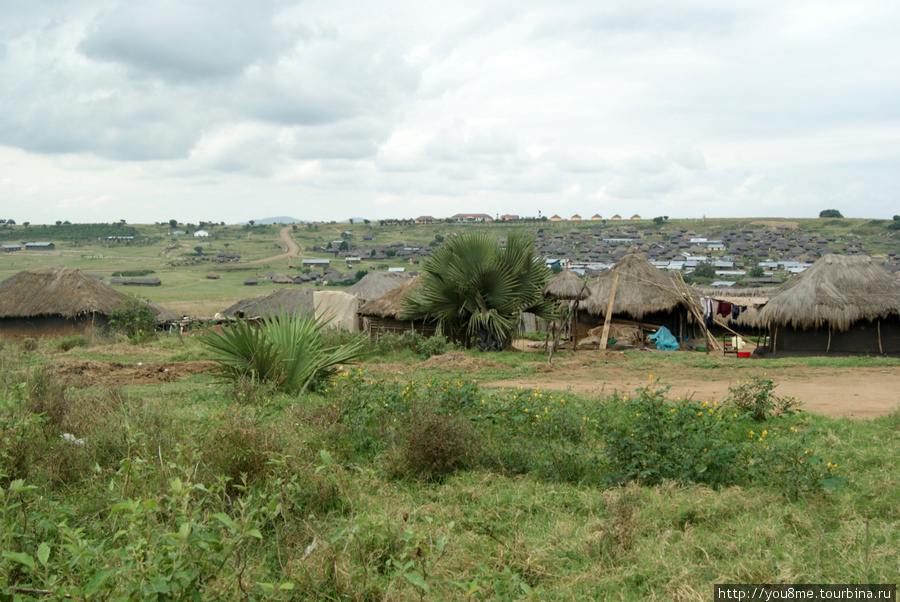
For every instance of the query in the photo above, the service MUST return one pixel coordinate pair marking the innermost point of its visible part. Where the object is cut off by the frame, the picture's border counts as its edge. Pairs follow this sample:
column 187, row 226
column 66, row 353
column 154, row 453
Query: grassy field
column 403, row 480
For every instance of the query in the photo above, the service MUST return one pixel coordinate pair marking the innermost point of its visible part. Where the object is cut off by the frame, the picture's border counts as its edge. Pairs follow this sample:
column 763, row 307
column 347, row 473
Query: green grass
column 508, row 517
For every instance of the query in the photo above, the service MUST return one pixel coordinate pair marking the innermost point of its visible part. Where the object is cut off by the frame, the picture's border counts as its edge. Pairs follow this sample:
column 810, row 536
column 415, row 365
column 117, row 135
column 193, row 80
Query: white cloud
column 187, row 109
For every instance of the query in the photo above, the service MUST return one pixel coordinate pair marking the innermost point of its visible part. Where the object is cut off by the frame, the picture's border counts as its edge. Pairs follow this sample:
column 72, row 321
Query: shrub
column 20, row 435
column 290, row 352
column 68, row 343
column 434, row 445
column 784, row 460
column 755, row 396
column 656, row 439
column 29, row 344
column 134, row 320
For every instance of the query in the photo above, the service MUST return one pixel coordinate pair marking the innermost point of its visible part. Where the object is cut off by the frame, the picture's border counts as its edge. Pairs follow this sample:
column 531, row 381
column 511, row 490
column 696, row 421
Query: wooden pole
column 774, row 339
column 609, row 308
column 574, row 326
column 828, row 347
column 880, row 348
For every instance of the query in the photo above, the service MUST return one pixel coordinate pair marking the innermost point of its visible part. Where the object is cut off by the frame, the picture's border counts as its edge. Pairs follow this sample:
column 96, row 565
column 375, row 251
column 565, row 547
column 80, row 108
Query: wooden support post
column 774, row 339
column 828, row 347
column 880, row 348
column 574, row 326
column 609, row 308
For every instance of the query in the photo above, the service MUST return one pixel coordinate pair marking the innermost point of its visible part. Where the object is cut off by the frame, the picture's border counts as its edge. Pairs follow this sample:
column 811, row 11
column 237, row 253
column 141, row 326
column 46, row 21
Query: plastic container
column 701, row 348
column 743, row 354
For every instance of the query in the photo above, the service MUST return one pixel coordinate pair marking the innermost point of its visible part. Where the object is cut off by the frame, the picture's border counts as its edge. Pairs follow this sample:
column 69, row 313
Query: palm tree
column 477, row 291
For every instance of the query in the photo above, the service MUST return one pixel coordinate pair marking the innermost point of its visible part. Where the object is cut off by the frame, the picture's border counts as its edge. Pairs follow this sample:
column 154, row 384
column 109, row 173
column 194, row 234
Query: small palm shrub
column 288, row 352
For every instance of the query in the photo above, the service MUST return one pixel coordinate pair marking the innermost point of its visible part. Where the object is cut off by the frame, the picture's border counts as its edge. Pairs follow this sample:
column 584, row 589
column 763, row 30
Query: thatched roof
column 566, row 286
column 162, row 314
column 62, row 292
column 736, row 296
column 837, row 290
column 389, row 304
column 642, row 289
column 375, row 284
column 283, row 301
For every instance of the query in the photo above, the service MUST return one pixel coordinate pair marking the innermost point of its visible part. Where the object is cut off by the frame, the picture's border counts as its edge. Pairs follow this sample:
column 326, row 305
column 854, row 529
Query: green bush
column 755, row 396
column 654, row 439
column 289, row 352
column 29, row 344
column 71, row 341
column 134, row 319
column 433, row 445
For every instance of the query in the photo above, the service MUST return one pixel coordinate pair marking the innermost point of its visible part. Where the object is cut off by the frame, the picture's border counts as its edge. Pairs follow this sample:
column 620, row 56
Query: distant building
column 426, row 219
column 616, row 217
column 315, row 262
column 556, row 218
column 635, row 217
column 597, row 216
column 472, row 217
column 201, row 233
column 11, row 248
column 39, row 246
column 575, row 218
column 179, row 233
column 506, row 217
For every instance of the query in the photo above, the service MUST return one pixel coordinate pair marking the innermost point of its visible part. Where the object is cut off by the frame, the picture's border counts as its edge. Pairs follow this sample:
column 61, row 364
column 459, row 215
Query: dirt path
column 859, row 392
column 293, row 249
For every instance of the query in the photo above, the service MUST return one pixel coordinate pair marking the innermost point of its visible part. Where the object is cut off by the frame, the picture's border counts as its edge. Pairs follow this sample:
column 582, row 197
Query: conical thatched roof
column 375, row 284
column 642, row 289
column 162, row 314
column 62, row 292
column 836, row 290
column 390, row 304
column 283, row 301
column 566, row 286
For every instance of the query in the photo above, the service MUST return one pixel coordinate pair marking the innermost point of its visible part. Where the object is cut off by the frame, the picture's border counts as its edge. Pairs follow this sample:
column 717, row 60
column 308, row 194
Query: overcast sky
column 230, row 110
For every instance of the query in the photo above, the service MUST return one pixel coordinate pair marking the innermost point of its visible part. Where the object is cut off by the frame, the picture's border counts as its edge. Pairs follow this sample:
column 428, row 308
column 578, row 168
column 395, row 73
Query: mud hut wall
column 52, row 326
column 375, row 327
column 860, row 339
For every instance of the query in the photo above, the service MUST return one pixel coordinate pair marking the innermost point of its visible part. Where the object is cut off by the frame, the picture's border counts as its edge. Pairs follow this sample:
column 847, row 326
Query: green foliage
column 756, row 398
column 784, row 460
column 134, row 319
column 660, row 219
column 28, row 344
column 476, row 290
column 704, row 270
column 71, row 341
column 20, row 434
column 830, row 213
column 289, row 352
column 756, row 272
column 654, row 439
column 433, row 445
column 133, row 273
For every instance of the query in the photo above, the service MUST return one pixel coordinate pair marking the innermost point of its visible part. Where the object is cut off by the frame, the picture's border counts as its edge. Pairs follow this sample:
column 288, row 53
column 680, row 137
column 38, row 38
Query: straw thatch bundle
column 212, row 276
column 65, row 292
column 566, row 286
column 285, row 301
column 641, row 290
column 390, row 304
column 836, row 290
column 375, row 284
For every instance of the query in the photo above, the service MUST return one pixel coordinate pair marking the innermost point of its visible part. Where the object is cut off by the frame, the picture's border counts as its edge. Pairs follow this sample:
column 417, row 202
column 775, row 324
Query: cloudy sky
column 230, row 110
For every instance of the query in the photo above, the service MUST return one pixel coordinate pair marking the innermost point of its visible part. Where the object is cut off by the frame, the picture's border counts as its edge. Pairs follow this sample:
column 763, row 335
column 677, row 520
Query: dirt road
column 858, row 392
column 293, row 249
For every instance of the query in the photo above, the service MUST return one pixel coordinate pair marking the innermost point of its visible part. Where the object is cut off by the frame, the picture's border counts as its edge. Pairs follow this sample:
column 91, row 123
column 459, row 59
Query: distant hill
column 281, row 219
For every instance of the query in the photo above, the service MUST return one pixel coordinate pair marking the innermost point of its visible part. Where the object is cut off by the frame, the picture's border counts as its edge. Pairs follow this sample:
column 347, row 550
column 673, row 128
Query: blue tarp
column 664, row 339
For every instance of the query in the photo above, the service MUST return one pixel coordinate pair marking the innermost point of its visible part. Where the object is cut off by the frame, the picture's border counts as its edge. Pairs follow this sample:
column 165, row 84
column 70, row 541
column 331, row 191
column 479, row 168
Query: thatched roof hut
column 375, row 284
column 641, row 290
column 836, row 291
column 842, row 303
column 283, row 301
column 566, row 286
column 56, row 301
column 383, row 314
column 64, row 292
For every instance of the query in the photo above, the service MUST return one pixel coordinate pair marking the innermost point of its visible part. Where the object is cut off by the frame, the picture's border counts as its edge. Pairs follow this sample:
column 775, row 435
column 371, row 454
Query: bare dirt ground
column 293, row 249
column 858, row 392
column 100, row 373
